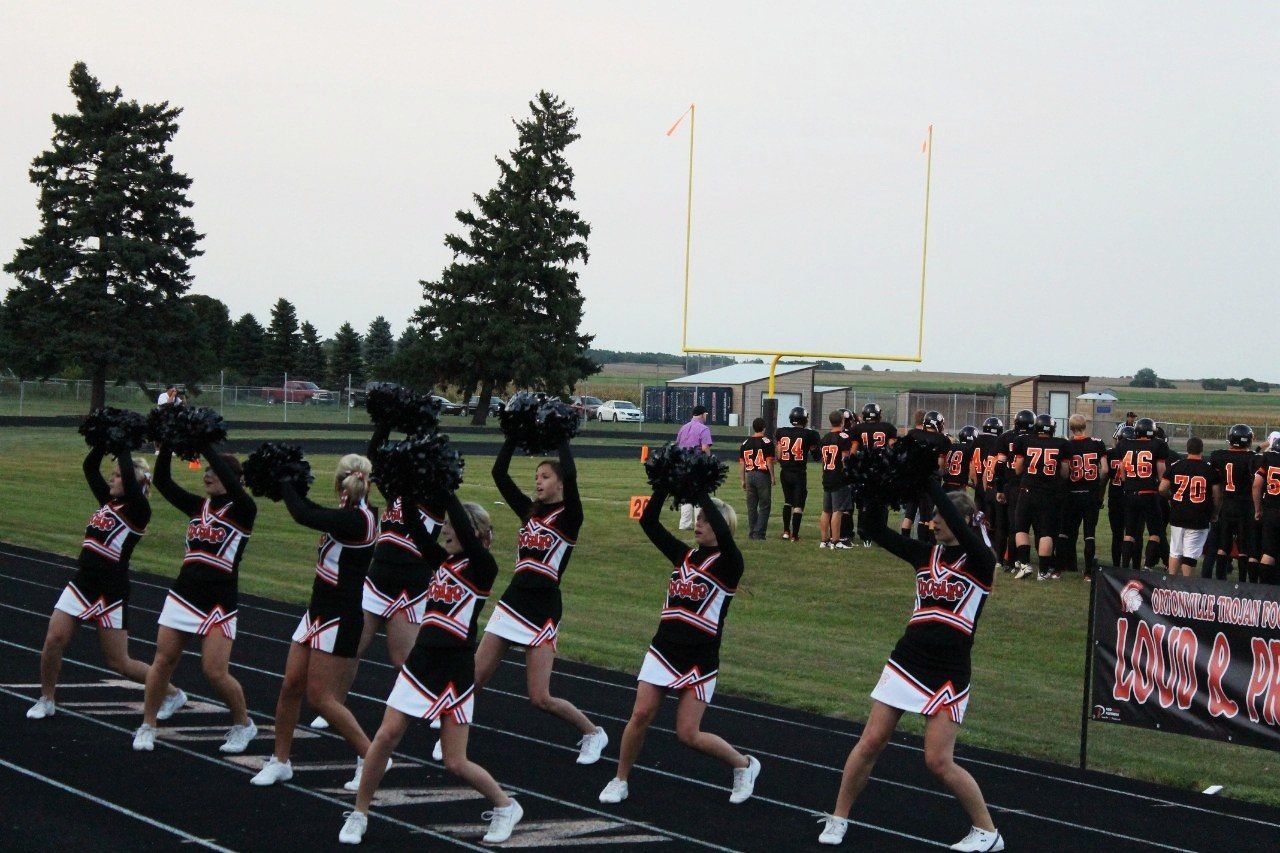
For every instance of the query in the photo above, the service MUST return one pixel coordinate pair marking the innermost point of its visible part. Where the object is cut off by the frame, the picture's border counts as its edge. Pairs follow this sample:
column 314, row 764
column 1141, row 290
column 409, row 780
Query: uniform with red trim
column 1115, row 495
column 796, row 445
column 1235, row 527
column 1084, row 458
column 1191, row 483
column 685, row 652
column 99, row 590
column 958, row 461
column 1267, row 474
column 528, row 613
column 1143, row 458
column 334, row 618
column 988, row 456
column 929, row 670
column 205, row 597
column 439, row 675
column 1038, row 456
column 1008, row 481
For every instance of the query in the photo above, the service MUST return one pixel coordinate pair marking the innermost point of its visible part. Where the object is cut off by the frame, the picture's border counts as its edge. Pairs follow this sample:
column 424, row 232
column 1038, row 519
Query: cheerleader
column 685, row 652
column 323, row 655
column 98, row 593
column 396, row 586
column 528, row 614
column 203, row 600
column 928, row 671
column 437, row 681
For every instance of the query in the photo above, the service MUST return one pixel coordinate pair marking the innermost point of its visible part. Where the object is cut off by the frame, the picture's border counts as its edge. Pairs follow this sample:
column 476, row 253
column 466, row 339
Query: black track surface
column 679, row 799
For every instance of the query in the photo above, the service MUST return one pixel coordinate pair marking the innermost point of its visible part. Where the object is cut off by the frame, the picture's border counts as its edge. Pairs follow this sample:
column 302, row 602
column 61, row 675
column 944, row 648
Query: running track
column 74, row 781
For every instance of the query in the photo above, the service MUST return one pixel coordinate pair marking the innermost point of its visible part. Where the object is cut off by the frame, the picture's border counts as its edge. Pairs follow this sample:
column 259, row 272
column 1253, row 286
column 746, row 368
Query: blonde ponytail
column 352, row 477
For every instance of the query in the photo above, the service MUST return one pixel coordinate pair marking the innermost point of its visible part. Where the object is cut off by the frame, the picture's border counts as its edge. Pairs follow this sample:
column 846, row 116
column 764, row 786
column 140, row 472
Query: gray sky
column 1104, row 188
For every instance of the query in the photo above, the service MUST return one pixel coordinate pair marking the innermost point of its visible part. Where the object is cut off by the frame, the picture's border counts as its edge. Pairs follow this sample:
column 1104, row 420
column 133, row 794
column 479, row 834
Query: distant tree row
column 1246, row 384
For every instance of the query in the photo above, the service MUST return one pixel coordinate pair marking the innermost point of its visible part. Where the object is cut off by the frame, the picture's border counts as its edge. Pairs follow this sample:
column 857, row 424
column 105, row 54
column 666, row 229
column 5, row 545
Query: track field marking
column 554, row 833
column 389, row 797
column 187, row 837
column 69, row 566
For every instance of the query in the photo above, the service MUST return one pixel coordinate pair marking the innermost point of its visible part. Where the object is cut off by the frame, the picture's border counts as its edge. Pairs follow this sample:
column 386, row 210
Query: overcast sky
column 1106, row 194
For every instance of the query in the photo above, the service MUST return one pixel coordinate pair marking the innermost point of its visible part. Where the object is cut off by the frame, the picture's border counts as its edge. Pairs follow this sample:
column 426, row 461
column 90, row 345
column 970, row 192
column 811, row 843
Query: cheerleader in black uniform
column 204, row 599
column 685, row 653
column 928, row 671
column 437, row 681
column 323, row 655
column 528, row 614
column 396, row 586
column 98, row 593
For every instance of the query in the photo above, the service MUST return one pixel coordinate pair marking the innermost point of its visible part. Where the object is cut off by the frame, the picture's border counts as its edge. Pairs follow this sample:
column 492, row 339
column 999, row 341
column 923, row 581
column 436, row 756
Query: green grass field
column 809, row 628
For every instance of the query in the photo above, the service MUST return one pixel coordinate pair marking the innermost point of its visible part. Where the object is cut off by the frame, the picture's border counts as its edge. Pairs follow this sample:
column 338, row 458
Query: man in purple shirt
column 697, row 434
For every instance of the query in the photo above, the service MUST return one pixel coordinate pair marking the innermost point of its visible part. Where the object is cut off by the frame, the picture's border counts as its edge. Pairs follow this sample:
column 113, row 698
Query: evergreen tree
column 247, row 349
column 379, row 346
column 507, row 311
column 311, row 360
column 346, row 359
column 283, row 341
column 208, row 336
column 100, row 283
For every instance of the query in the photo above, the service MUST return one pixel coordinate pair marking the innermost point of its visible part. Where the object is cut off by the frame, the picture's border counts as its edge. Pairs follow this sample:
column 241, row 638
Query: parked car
column 495, row 405
column 586, row 407
column 299, row 391
column 620, row 410
column 447, row 407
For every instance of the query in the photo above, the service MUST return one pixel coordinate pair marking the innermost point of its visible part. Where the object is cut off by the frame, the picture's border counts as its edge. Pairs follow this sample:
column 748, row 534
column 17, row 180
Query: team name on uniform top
column 444, row 592
column 536, row 541
column 687, row 589
column 945, row 590
column 103, row 520
column 393, row 515
column 201, row 532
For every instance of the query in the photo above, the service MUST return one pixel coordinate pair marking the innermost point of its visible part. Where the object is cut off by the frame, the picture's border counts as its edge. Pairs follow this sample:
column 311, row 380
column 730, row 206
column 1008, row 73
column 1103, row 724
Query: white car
column 620, row 410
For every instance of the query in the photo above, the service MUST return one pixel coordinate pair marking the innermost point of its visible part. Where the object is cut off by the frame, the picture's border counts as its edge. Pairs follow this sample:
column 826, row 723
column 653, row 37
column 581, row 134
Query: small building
column 827, row 398
column 793, row 386
column 1047, row 393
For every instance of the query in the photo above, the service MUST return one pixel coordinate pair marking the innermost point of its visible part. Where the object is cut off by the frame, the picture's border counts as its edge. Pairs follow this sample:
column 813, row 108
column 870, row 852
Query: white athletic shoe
column 238, row 738
column 501, row 822
column 43, row 708
column 1021, row 571
column 272, row 772
column 842, row 545
column 437, row 751
column 744, row 780
column 171, row 704
column 353, row 830
column 980, row 840
column 354, row 784
column 822, row 545
column 144, row 739
column 866, row 543
column 615, row 792
column 319, row 723
column 833, row 829
column 590, row 746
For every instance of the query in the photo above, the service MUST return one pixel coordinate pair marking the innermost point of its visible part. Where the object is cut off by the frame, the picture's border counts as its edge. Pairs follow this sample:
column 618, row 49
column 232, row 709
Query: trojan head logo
column 1131, row 597
column 198, row 531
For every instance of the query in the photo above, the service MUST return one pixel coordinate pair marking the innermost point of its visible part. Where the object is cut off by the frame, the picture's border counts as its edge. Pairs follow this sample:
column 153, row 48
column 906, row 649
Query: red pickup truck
column 299, row 391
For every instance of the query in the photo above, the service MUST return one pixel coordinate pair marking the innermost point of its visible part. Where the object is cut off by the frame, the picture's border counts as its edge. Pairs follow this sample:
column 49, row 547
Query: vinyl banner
column 1186, row 655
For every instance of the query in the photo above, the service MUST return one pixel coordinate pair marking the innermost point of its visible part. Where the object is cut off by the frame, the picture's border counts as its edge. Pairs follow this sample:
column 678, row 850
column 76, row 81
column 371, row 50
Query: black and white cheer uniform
column 685, row 652
column 334, row 618
column 439, row 676
column 99, row 590
column 204, row 598
column 528, row 614
column 928, row 671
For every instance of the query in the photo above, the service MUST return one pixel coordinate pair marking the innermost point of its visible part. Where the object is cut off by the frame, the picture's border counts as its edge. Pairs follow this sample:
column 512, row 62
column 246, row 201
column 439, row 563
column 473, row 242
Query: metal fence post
column 285, row 389
column 22, row 395
column 350, row 402
column 222, row 389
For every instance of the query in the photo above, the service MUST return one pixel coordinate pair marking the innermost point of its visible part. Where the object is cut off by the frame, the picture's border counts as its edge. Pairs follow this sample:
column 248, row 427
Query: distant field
column 809, row 628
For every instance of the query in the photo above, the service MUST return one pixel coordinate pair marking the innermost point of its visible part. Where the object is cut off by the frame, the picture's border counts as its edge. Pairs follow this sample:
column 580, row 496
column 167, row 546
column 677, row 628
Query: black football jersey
column 1235, row 465
column 1268, row 468
column 1139, row 457
column 832, row 449
column 1042, row 457
column 957, row 464
column 1006, row 447
column 988, row 454
column 1115, row 486
column 1191, row 499
column 1084, row 455
column 756, row 452
column 795, row 446
column 875, row 434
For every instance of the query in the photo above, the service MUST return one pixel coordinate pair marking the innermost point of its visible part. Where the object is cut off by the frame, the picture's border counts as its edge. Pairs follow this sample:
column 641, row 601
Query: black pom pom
column 395, row 407
column 114, row 430
column 419, row 468
column 685, row 472
column 185, row 430
column 891, row 476
column 537, row 423
column 273, row 464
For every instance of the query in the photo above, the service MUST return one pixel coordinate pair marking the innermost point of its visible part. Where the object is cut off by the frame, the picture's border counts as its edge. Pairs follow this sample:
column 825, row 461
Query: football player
column 1144, row 458
column 1038, row 460
column 1086, row 458
column 873, row 432
column 1234, row 527
column 986, row 458
column 795, row 445
column 833, row 449
column 1008, row 481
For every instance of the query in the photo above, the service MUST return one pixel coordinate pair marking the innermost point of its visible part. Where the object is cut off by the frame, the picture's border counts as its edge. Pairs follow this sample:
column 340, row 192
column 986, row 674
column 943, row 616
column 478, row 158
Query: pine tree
column 100, row 283
column 507, row 311
column 346, row 360
column 247, row 349
column 207, row 338
column 379, row 347
column 283, row 341
column 311, row 360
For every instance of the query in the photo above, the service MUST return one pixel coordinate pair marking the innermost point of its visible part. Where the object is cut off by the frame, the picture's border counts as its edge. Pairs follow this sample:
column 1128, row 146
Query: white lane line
column 724, row 708
column 107, row 804
column 522, row 791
